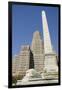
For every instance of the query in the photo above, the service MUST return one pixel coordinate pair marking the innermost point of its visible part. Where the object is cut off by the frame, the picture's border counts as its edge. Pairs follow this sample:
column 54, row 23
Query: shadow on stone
column 31, row 63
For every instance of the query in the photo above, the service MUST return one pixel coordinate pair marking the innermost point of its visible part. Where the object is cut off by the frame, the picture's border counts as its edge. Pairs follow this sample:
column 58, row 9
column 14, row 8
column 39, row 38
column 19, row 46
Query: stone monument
column 50, row 61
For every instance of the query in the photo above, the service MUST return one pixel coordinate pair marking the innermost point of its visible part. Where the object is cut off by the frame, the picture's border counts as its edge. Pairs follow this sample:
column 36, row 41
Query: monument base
column 32, row 77
column 37, row 81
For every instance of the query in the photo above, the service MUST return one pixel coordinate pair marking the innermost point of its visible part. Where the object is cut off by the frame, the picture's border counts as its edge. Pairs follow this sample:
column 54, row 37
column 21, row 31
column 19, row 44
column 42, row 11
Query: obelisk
column 47, row 40
column 50, row 64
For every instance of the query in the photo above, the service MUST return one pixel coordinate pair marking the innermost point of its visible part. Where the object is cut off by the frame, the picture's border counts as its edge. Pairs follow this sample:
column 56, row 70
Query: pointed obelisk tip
column 42, row 12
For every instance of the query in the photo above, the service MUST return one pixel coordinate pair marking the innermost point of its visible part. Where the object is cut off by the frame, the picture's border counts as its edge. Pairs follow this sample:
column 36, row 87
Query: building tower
column 37, row 50
column 50, row 64
column 24, row 59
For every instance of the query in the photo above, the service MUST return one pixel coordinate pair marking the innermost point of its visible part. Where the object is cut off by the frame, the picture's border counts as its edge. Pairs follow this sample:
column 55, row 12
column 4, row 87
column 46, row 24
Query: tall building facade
column 23, row 61
column 38, row 51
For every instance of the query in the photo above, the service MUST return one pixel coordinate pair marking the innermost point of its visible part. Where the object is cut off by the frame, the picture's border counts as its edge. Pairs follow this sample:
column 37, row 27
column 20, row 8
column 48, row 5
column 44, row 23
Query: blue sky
column 27, row 19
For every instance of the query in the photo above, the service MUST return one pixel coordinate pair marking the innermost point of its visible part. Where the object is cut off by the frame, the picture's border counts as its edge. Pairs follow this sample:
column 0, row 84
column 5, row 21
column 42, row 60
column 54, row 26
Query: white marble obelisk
column 50, row 64
column 47, row 40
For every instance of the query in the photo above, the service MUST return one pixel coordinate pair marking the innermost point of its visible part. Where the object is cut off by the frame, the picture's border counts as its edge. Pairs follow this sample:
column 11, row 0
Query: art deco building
column 38, row 51
column 24, row 59
column 20, row 63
